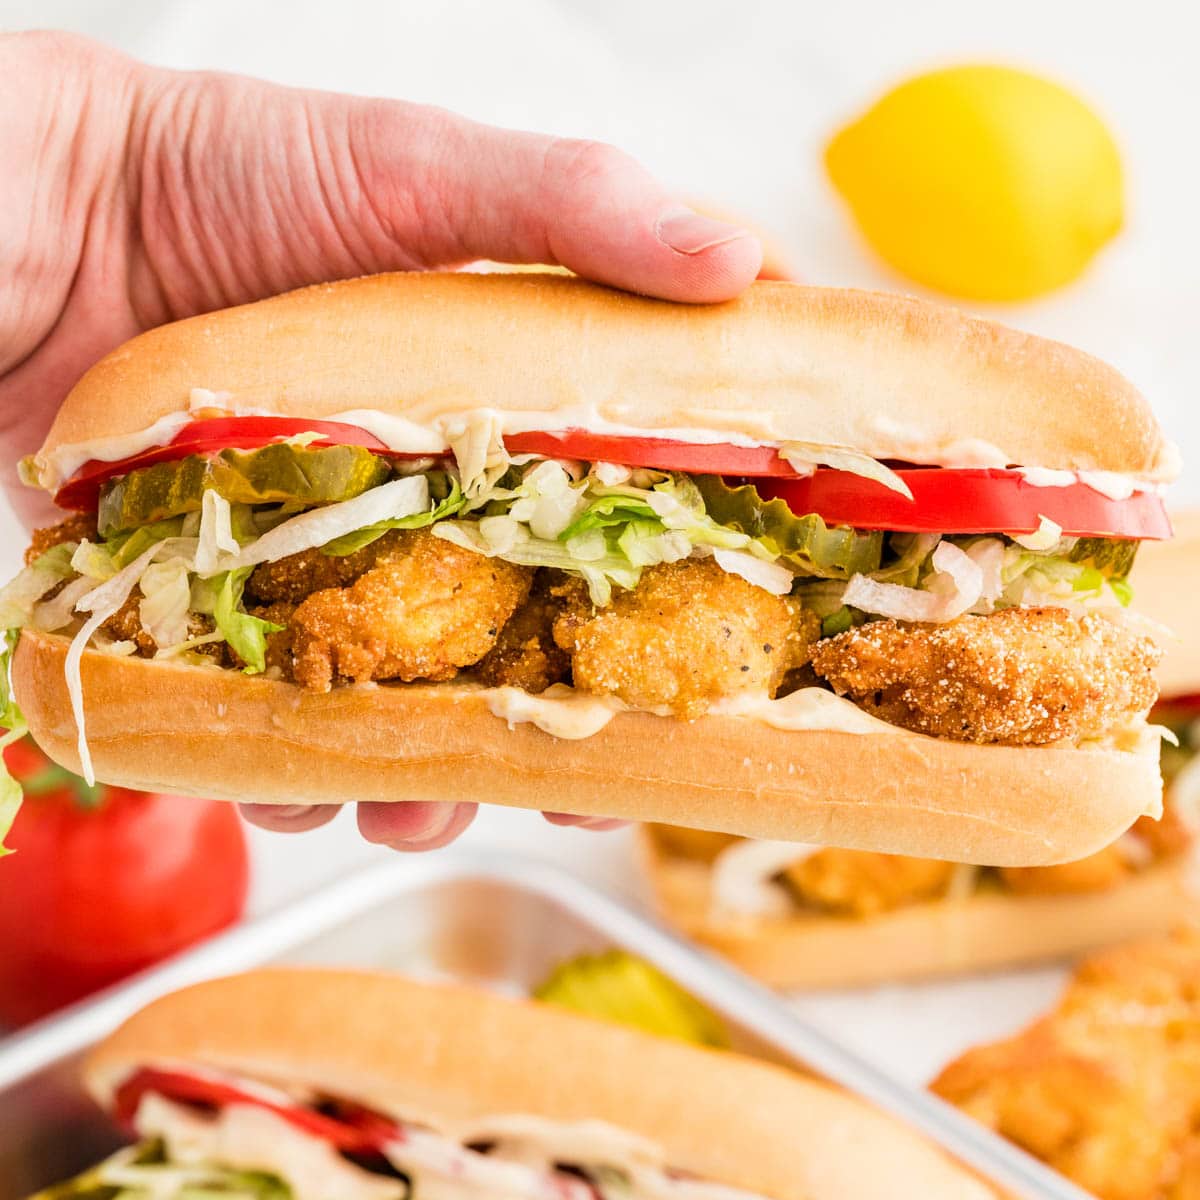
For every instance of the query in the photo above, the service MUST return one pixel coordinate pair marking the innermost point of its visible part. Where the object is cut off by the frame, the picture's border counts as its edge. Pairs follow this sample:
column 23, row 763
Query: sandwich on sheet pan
column 332, row 1085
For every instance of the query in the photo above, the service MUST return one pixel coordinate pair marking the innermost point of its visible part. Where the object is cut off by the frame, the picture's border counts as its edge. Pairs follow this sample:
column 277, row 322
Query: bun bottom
column 168, row 726
column 983, row 932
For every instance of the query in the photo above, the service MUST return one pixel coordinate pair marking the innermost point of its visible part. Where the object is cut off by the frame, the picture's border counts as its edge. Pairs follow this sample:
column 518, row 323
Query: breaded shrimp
column 424, row 610
column 294, row 578
column 688, row 634
column 1022, row 677
column 863, row 883
column 525, row 654
column 76, row 528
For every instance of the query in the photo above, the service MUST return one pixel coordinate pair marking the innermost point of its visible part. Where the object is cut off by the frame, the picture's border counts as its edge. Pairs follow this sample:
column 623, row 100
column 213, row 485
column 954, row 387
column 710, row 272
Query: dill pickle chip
column 276, row 474
column 804, row 543
column 617, row 986
column 1112, row 557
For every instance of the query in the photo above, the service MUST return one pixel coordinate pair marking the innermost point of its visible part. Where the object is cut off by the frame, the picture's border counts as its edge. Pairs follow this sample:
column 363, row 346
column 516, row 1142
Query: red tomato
column 946, row 500
column 359, row 1132
column 106, row 881
column 718, row 459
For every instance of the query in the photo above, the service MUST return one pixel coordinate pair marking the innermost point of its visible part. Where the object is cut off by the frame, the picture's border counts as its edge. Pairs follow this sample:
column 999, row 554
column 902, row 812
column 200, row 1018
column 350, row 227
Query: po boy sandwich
column 258, row 1087
column 818, row 565
column 805, row 916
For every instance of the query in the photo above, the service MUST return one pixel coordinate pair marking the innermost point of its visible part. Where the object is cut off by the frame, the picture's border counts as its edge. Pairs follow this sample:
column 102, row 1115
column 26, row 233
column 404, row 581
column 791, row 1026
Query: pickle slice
column 1112, row 557
column 617, row 986
column 276, row 474
column 804, row 543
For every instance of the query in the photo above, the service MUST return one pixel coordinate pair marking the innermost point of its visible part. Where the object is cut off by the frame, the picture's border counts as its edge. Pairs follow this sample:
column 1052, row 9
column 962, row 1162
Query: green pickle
column 278, row 474
column 1112, row 557
column 617, row 986
column 804, row 543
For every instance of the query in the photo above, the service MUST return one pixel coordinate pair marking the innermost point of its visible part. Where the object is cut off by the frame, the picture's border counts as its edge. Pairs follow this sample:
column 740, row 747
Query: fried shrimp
column 422, row 611
column 1021, row 677
column 292, row 579
column 862, row 883
column 76, row 528
column 525, row 654
column 689, row 634
column 1106, row 1088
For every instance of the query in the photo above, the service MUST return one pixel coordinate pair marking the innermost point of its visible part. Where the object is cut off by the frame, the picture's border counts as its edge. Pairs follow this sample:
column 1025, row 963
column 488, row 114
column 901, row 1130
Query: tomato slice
column 945, row 500
column 948, row 500
column 360, row 1132
column 662, row 453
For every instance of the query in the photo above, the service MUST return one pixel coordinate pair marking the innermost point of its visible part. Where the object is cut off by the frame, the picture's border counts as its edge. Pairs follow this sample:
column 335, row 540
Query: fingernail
column 688, row 232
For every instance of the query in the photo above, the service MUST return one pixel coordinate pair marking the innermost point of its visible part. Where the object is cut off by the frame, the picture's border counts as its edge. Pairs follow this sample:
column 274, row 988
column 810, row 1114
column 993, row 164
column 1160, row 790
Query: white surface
column 731, row 102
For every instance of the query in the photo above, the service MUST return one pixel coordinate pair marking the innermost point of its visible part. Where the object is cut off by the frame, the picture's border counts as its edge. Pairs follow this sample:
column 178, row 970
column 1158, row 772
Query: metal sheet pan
column 498, row 923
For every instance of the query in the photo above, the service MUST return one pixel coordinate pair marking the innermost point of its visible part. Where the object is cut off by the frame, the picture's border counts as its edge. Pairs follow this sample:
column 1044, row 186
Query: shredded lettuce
column 13, row 722
column 20, row 595
column 246, row 635
column 450, row 504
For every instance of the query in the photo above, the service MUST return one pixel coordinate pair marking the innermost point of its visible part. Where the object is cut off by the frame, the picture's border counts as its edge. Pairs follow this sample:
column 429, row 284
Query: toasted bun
column 1165, row 576
column 985, row 931
column 446, row 1056
column 895, row 377
column 164, row 726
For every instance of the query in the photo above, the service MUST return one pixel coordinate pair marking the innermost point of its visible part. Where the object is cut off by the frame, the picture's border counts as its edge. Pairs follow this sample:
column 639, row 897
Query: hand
column 131, row 196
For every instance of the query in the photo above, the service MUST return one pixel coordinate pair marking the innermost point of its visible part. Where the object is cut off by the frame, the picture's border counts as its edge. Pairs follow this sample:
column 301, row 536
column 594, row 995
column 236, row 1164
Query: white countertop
column 731, row 103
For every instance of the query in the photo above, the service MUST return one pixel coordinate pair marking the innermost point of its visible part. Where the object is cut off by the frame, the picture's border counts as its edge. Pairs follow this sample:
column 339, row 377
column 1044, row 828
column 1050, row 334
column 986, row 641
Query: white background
column 731, row 102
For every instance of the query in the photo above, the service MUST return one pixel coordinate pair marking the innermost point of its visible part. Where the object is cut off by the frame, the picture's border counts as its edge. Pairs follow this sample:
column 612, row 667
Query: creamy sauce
column 565, row 713
column 811, row 708
column 252, row 1139
column 521, row 1165
column 744, row 878
column 560, row 711
column 432, row 438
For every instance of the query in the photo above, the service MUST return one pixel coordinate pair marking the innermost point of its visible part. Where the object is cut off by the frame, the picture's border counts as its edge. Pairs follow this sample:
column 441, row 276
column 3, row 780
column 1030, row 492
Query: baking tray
column 498, row 923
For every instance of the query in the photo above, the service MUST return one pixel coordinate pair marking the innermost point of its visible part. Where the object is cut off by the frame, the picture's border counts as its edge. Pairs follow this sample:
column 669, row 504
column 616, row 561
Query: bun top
column 894, row 377
column 448, row 1056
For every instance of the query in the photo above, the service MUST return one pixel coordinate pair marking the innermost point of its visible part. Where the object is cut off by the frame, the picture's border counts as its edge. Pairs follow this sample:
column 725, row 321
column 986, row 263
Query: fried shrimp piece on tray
column 1106, row 1088
column 425, row 609
column 525, row 654
column 1021, row 677
column 76, row 528
column 688, row 634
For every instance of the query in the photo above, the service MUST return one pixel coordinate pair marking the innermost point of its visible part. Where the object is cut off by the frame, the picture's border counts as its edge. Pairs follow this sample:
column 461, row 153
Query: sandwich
column 820, row 565
column 809, row 916
column 257, row 1087
column 1104, row 1088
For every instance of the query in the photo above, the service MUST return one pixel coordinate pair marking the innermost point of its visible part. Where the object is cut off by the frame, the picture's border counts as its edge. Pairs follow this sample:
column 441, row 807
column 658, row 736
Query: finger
column 289, row 818
column 414, row 825
column 520, row 197
column 597, row 824
column 274, row 188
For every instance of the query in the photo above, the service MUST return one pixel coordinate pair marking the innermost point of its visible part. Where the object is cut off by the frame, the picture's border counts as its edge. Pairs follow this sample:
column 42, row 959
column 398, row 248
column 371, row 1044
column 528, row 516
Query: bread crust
column 893, row 376
column 163, row 726
column 446, row 1055
column 986, row 931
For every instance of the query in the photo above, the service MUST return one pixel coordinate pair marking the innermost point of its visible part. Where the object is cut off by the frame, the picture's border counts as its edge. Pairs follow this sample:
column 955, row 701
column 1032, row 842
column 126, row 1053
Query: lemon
column 981, row 181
